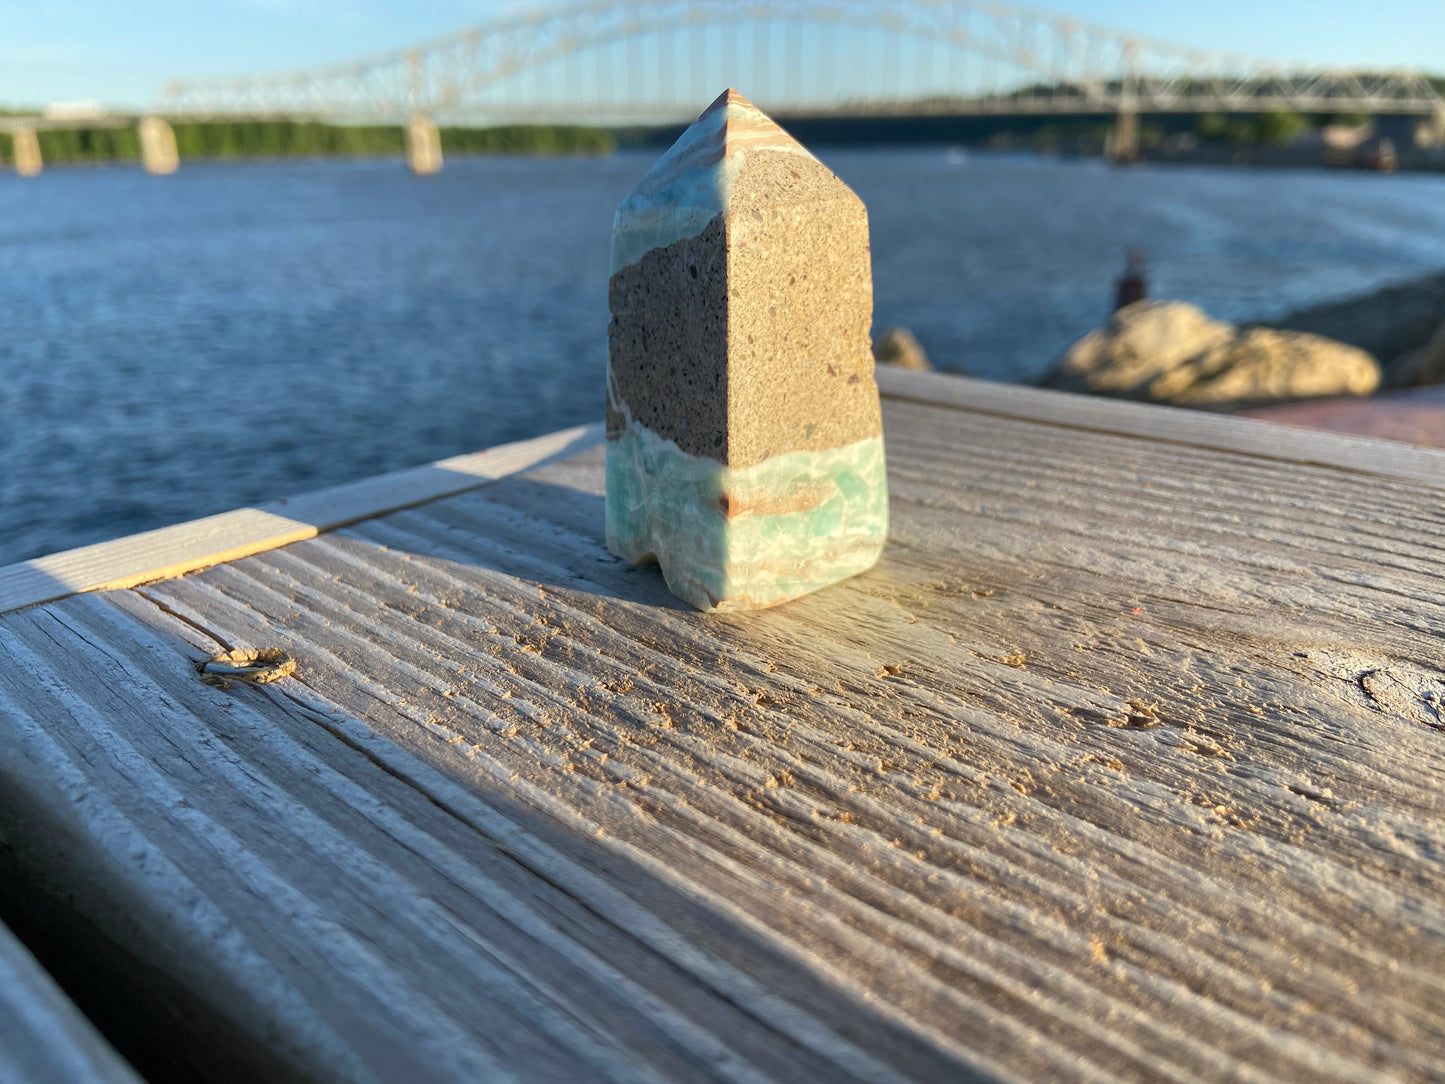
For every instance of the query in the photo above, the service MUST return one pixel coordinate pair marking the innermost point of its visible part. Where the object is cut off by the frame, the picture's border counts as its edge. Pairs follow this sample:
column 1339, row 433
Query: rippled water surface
column 174, row 347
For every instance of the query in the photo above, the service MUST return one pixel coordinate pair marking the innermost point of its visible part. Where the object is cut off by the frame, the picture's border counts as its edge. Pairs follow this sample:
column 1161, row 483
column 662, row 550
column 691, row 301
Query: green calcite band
column 738, row 538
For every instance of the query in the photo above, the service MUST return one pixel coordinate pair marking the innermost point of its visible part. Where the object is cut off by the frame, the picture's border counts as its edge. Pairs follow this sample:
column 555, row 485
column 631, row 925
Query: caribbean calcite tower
column 744, row 441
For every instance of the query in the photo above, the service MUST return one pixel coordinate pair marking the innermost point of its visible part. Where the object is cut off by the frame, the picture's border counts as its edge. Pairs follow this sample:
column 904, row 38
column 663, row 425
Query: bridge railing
column 651, row 59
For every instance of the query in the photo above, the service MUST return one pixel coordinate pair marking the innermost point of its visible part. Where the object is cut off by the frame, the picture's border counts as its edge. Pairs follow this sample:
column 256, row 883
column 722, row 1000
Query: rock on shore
column 1142, row 343
column 898, row 346
column 1264, row 365
column 1171, row 352
column 1424, row 365
column 1391, row 323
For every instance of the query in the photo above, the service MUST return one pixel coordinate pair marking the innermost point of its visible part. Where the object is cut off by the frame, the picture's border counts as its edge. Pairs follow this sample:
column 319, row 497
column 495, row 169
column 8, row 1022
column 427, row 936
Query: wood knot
column 246, row 664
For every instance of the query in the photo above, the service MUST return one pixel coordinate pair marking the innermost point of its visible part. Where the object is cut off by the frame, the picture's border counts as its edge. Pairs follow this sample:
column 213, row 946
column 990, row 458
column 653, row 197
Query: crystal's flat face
column 668, row 342
column 744, row 437
column 800, row 306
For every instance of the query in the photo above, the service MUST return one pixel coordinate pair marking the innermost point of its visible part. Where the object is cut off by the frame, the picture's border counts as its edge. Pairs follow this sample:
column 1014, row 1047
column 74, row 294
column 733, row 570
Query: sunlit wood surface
column 1127, row 763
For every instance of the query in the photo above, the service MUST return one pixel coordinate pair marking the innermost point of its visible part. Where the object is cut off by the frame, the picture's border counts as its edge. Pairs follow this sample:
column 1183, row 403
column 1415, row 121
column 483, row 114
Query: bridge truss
column 658, row 60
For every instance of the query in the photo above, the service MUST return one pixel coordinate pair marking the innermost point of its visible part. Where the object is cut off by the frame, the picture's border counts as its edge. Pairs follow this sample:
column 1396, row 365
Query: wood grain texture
column 1230, row 433
column 228, row 536
column 43, row 1037
column 1125, row 764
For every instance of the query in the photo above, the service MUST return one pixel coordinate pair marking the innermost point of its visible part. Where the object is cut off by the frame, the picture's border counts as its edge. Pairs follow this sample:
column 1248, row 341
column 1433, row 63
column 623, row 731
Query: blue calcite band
column 739, row 538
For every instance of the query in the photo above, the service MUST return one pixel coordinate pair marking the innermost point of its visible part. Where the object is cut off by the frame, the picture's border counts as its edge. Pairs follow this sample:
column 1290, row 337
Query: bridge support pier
column 26, row 152
column 1122, row 143
column 158, row 154
column 1433, row 130
column 423, row 145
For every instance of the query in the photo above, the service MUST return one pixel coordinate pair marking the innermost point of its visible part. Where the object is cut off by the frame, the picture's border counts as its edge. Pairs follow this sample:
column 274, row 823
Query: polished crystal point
column 744, row 441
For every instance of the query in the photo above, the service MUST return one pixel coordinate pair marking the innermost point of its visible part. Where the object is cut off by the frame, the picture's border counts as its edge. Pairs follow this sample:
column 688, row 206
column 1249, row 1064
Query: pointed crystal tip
column 725, row 99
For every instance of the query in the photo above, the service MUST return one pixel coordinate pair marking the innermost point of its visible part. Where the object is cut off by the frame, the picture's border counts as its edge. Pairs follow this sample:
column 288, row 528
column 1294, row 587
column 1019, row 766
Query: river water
column 175, row 347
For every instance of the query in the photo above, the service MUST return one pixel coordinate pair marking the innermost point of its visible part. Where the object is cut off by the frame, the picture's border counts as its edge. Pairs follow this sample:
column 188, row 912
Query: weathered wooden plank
column 228, row 536
column 185, row 547
column 424, row 931
column 1205, row 430
column 44, row 1039
column 1125, row 764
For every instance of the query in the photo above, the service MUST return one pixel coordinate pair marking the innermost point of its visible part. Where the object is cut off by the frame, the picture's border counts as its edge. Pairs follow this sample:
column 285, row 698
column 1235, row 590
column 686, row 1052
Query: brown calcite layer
column 800, row 303
column 752, row 338
column 668, row 342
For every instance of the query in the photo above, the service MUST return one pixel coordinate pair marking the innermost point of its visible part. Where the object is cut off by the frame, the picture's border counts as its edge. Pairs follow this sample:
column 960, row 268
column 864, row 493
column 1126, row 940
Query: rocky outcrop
column 1416, row 368
column 1264, row 365
column 1431, row 369
column 897, row 346
column 1141, row 343
column 1171, row 352
column 1387, row 323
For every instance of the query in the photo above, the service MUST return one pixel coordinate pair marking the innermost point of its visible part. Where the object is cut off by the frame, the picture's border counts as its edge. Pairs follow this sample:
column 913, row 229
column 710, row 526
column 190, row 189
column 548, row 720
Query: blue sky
column 123, row 53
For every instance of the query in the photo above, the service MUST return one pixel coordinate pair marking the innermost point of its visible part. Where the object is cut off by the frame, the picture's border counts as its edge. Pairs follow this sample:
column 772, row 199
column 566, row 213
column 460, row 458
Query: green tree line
column 284, row 138
column 1266, row 128
column 1260, row 128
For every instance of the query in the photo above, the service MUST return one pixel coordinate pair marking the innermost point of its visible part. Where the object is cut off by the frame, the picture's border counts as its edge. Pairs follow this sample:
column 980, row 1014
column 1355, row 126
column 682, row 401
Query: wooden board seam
column 229, row 536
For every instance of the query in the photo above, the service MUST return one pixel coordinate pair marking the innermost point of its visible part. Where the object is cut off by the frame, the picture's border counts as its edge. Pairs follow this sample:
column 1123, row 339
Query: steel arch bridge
column 657, row 60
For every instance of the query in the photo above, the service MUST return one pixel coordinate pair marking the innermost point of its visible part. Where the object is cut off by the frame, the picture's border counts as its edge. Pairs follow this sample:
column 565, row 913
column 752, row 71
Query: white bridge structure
column 658, row 61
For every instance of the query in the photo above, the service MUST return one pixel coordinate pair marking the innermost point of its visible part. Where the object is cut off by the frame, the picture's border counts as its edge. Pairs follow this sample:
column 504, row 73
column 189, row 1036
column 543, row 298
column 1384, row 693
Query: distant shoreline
column 278, row 139
column 1171, row 140
column 1413, row 160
